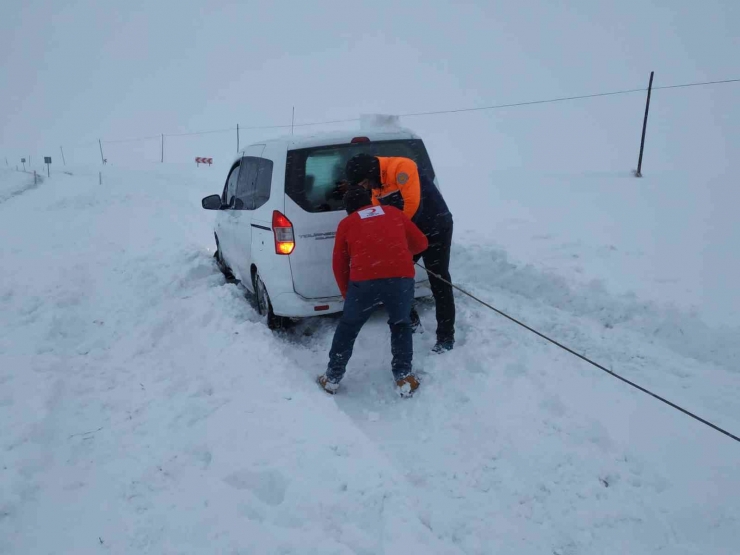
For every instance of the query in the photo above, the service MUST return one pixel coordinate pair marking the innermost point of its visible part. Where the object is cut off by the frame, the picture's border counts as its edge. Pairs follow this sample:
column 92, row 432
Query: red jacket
column 373, row 243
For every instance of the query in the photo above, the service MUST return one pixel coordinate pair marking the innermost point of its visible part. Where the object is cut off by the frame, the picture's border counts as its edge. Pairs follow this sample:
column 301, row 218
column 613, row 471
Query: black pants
column 437, row 259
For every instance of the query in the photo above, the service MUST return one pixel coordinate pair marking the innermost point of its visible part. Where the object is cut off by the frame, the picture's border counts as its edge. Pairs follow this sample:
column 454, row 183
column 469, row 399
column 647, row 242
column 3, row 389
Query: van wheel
column 221, row 263
column 264, row 306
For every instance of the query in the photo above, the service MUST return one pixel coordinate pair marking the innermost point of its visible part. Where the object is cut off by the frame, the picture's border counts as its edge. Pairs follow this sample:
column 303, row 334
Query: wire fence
column 239, row 128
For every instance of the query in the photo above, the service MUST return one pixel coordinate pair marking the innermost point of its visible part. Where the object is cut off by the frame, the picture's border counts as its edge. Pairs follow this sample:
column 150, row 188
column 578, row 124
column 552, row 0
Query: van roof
column 339, row 137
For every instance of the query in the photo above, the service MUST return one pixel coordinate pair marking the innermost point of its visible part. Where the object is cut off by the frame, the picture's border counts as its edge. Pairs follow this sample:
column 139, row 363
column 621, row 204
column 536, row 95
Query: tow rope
column 582, row 357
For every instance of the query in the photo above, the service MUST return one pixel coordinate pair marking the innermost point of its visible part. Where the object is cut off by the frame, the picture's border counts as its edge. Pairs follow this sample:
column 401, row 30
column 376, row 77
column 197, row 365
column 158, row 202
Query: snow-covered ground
column 145, row 408
column 671, row 237
column 16, row 183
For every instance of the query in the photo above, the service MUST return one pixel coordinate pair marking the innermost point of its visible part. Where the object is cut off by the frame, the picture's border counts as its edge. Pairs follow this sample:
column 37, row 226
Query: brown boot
column 407, row 385
column 326, row 385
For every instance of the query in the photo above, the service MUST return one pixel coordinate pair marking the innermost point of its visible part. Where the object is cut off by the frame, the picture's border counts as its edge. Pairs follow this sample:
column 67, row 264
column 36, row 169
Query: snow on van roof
column 338, row 137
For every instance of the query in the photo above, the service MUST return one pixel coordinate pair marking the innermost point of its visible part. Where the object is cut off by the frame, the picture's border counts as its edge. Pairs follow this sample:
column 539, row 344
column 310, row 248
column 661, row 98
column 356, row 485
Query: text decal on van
column 371, row 212
column 319, row 236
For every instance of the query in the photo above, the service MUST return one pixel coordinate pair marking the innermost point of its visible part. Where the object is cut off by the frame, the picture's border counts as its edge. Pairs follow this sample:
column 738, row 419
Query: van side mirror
column 212, row 202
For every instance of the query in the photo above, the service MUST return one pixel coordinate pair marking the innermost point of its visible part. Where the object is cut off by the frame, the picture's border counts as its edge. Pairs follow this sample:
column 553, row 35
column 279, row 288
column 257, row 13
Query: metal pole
column 638, row 173
column 292, row 121
column 237, row 137
column 24, row 166
column 100, row 178
column 100, row 143
column 34, row 177
column 48, row 174
column 63, row 160
column 162, row 160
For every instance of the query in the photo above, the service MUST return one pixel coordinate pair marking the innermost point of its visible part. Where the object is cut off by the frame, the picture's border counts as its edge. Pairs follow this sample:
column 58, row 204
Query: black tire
column 264, row 306
column 221, row 263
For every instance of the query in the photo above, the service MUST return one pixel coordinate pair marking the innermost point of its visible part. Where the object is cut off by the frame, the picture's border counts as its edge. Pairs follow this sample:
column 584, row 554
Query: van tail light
column 283, row 230
column 356, row 140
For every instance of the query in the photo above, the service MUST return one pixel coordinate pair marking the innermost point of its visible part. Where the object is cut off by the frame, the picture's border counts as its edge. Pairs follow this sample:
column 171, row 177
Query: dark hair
column 363, row 166
column 356, row 198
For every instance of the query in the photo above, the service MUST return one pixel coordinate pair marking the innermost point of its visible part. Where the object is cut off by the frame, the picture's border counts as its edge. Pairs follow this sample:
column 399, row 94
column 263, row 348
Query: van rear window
column 312, row 173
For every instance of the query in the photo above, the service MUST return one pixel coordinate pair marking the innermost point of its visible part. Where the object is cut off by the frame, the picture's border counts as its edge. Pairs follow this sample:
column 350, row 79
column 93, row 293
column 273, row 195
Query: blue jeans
column 396, row 294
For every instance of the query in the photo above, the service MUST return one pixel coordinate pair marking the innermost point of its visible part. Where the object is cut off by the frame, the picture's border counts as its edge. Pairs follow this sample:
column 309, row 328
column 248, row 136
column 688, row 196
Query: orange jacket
column 400, row 185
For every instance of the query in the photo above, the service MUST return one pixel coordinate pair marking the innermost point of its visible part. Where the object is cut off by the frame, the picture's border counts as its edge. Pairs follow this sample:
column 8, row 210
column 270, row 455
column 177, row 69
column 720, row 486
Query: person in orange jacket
column 396, row 181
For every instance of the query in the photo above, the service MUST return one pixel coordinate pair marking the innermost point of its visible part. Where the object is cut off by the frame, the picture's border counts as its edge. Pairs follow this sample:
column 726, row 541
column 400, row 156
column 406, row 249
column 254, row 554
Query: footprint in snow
column 268, row 486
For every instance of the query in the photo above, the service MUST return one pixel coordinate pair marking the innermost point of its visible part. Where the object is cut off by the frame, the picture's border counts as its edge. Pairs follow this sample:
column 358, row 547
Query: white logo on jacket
column 371, row 212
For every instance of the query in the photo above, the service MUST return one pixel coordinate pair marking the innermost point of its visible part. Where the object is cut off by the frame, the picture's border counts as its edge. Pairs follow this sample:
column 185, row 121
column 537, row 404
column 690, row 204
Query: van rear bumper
column 292, row 305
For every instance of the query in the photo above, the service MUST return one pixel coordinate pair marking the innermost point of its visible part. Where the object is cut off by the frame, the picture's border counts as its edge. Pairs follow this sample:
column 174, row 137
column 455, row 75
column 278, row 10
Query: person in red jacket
column 373, row 264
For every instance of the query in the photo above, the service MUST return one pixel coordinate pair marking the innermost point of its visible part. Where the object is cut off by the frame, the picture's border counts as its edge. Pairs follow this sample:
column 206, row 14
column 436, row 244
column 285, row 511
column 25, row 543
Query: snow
column 17, row 183
column 146, row 408
column 308, row 139
column 371, row 122
column 670, row 237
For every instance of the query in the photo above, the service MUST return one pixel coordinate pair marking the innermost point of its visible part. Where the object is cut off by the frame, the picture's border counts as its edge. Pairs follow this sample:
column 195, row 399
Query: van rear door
column 315, row 209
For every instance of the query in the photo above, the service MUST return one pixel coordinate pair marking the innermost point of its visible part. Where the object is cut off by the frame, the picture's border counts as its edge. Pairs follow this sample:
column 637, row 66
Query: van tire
column 264, row 306
column 221, row 263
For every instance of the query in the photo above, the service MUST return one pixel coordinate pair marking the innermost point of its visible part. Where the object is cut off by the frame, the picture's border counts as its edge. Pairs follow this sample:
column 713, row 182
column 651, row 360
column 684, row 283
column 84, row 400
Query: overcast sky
column 72, row 72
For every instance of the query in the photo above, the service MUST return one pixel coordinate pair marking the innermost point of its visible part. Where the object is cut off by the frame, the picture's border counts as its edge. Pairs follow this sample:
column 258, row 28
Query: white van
column 279, row 212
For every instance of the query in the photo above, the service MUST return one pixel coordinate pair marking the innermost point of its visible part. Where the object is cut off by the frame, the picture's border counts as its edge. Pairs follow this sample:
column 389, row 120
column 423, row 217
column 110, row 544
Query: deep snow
column 147, row 410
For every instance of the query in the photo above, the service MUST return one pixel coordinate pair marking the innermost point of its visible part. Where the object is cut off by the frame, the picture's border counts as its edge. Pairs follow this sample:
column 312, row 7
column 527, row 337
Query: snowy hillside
column 145, row 408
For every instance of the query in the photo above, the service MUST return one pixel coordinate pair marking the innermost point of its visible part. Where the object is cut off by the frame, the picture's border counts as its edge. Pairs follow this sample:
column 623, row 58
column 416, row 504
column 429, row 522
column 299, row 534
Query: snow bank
column 14, row 183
